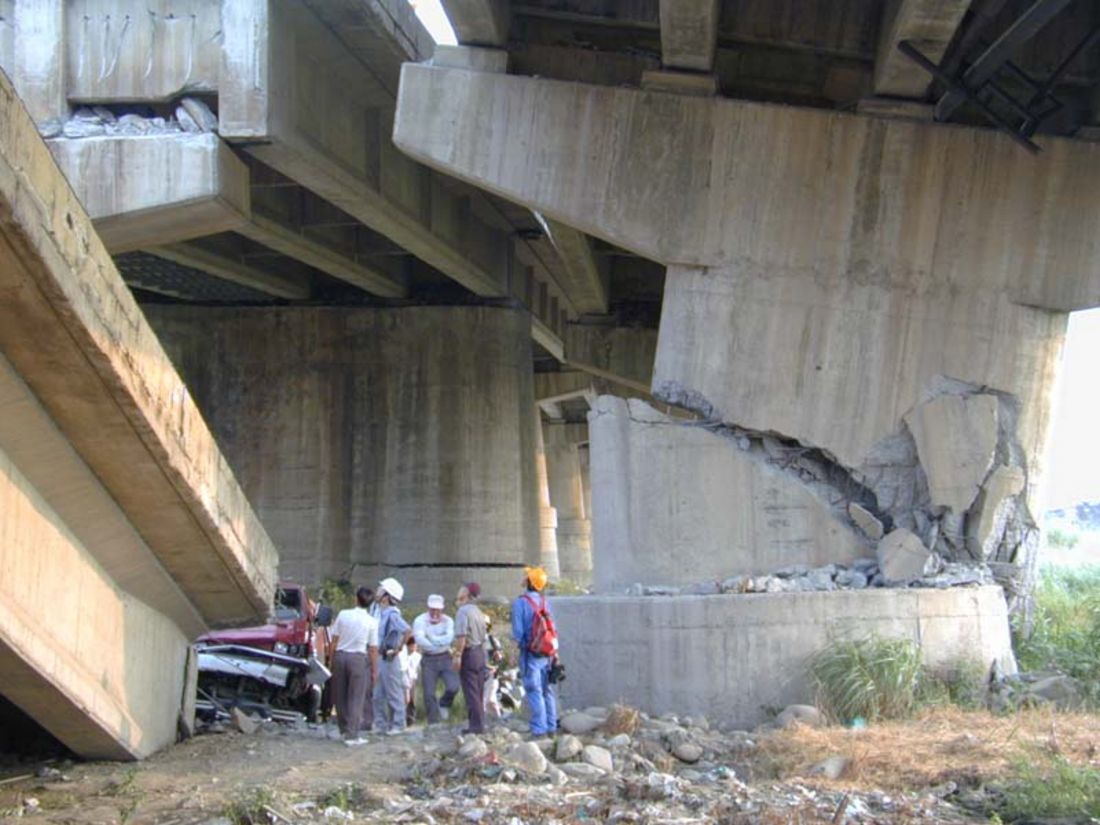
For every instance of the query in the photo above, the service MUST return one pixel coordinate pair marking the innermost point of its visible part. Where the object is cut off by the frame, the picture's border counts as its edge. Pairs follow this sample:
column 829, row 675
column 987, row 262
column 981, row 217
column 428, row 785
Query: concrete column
column 39, row 70
column 567, row 496
column 548, row 516
column 375, row 441
column 584, row 455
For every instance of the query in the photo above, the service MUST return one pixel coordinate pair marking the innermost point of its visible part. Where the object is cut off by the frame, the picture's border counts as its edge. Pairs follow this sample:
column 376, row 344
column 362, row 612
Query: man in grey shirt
column 469, row 657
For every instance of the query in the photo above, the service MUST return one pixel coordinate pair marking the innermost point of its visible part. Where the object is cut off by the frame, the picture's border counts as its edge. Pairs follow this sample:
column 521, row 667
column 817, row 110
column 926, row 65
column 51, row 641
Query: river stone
column 582, row 770
column 473, row 749
column 598, row 757
column 527, row 757
column 800, row 714
column 568, row 747
column 620, row 741
column 579, row 723
column 688, row 752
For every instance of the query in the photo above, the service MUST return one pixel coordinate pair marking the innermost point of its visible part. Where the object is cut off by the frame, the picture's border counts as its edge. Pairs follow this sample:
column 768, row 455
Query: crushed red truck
column 275, row 670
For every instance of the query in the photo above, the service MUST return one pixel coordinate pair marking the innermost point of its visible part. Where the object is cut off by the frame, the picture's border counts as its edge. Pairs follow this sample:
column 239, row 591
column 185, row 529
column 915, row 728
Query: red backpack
column 543, row 639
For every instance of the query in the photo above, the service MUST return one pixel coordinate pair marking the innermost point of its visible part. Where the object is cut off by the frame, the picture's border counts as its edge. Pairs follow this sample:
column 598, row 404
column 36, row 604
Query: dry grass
column 939, row 745
column 621, row 719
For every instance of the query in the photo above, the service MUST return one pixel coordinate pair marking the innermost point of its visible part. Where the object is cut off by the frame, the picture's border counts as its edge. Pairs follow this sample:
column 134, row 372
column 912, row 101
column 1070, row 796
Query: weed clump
column 1056, row 790
column 1065, row 632
column 870, row 678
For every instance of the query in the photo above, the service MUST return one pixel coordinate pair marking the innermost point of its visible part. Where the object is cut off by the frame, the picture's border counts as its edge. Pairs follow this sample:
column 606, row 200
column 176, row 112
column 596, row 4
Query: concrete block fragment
column 902, row 556
column 987, row 522
column 472, row 58
column 956, row 439
column 865, row 521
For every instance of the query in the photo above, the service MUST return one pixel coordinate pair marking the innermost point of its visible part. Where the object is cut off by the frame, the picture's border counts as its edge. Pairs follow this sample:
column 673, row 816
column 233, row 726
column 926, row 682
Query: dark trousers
column 472, row 675
column 368, row 700
column 433, row 667
column 349, row 680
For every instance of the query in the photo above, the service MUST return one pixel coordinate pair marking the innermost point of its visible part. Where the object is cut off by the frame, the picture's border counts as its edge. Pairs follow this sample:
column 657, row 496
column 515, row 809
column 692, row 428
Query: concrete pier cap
column 732, row 657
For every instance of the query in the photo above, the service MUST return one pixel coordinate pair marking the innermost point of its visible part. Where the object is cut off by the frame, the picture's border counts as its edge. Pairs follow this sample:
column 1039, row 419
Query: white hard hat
column 435, row 602
column 393, row 588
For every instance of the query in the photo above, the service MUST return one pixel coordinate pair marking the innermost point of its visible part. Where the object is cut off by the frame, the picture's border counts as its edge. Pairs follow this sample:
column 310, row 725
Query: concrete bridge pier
column 574, row 532
column 864, row 314
column 409, row 432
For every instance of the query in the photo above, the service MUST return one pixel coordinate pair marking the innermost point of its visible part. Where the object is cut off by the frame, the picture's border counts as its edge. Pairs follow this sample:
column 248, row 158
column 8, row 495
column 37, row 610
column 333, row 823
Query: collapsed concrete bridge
column 412, row 302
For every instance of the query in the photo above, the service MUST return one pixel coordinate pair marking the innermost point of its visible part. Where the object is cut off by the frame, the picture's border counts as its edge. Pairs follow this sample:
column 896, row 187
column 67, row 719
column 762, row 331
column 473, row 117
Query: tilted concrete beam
column 583, row 279
column 308, row 107
column 927, row 24
column 689, row 34
column 479, row 22
column 155, row 190
column 124, row 530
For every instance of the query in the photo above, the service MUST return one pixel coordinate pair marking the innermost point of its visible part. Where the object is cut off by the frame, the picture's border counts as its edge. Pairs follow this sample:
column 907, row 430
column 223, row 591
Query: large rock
column 688, row 752
column 579, row 723
column 528, row 757
column 568, row 747
column 800, row 714
column 582, row 770
column 903, row 557
column 956, row 439
column 598, row 757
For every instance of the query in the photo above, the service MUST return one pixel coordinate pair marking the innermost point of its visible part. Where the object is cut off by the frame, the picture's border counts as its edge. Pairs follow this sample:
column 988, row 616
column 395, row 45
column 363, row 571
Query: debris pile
column 859, row 575
column 666, row 769
column 192, row 116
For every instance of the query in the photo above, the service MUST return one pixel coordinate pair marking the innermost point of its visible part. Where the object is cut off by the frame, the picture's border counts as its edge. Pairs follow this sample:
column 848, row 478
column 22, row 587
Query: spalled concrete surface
column 677, row 503
column 371, row 438
column 730, row 657
column 124, row 531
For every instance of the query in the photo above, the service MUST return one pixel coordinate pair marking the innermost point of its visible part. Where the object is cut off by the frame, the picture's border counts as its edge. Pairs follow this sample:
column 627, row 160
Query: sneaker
column 396, row 731
column 354, row 743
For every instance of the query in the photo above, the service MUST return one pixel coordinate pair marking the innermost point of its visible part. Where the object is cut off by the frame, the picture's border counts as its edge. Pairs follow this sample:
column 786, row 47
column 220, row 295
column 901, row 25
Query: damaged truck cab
column 275, row 670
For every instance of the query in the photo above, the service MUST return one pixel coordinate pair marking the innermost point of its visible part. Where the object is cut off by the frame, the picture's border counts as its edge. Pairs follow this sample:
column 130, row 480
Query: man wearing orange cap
column 535, row 658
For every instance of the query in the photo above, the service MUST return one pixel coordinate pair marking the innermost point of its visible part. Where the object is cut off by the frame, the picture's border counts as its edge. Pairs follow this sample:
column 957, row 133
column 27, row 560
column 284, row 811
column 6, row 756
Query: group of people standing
column 377, row 658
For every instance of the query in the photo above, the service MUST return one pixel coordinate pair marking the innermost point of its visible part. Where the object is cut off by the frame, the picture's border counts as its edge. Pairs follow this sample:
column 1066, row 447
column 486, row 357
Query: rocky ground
column 607, row 766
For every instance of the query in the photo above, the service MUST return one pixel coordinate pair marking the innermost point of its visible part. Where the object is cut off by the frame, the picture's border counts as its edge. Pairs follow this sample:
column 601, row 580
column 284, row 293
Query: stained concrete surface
column 370, row 439
column 732, row 657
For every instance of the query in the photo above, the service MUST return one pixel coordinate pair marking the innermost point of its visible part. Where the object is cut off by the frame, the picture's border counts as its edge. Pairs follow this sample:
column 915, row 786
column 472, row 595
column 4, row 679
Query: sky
column 1072, row 471
column 434, row 20
column 1073, row 457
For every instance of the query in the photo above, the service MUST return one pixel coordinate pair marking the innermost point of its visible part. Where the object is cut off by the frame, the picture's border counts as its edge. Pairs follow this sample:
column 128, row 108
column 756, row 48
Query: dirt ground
column 286, row 776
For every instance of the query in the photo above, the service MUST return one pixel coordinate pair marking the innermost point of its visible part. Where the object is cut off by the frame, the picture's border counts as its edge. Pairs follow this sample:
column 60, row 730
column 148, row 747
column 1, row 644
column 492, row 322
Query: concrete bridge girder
column 125, row 532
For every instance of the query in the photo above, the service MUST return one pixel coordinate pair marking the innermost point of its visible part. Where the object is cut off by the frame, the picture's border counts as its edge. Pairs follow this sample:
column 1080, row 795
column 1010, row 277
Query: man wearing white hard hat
column 393, row 633
column 434, row 632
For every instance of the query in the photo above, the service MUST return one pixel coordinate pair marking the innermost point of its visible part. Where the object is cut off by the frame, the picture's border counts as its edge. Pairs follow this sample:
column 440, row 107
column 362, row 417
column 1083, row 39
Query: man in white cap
column 393, row 633
column 434, row 632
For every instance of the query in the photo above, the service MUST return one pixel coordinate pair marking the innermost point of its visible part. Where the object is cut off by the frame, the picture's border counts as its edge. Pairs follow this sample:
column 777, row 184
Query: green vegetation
column 870, row 678
column 874, row 678
column 1053, row 789
column 1062, row 539
column 1065, row 634
column 250, row 807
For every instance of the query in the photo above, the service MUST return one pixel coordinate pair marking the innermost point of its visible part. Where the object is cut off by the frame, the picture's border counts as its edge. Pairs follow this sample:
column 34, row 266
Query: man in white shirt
column 434, row 633
column 354, row 661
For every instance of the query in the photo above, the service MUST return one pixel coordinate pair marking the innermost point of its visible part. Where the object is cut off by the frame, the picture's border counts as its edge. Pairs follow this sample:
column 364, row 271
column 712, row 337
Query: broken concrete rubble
column 956, row 438
column 903, row 557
